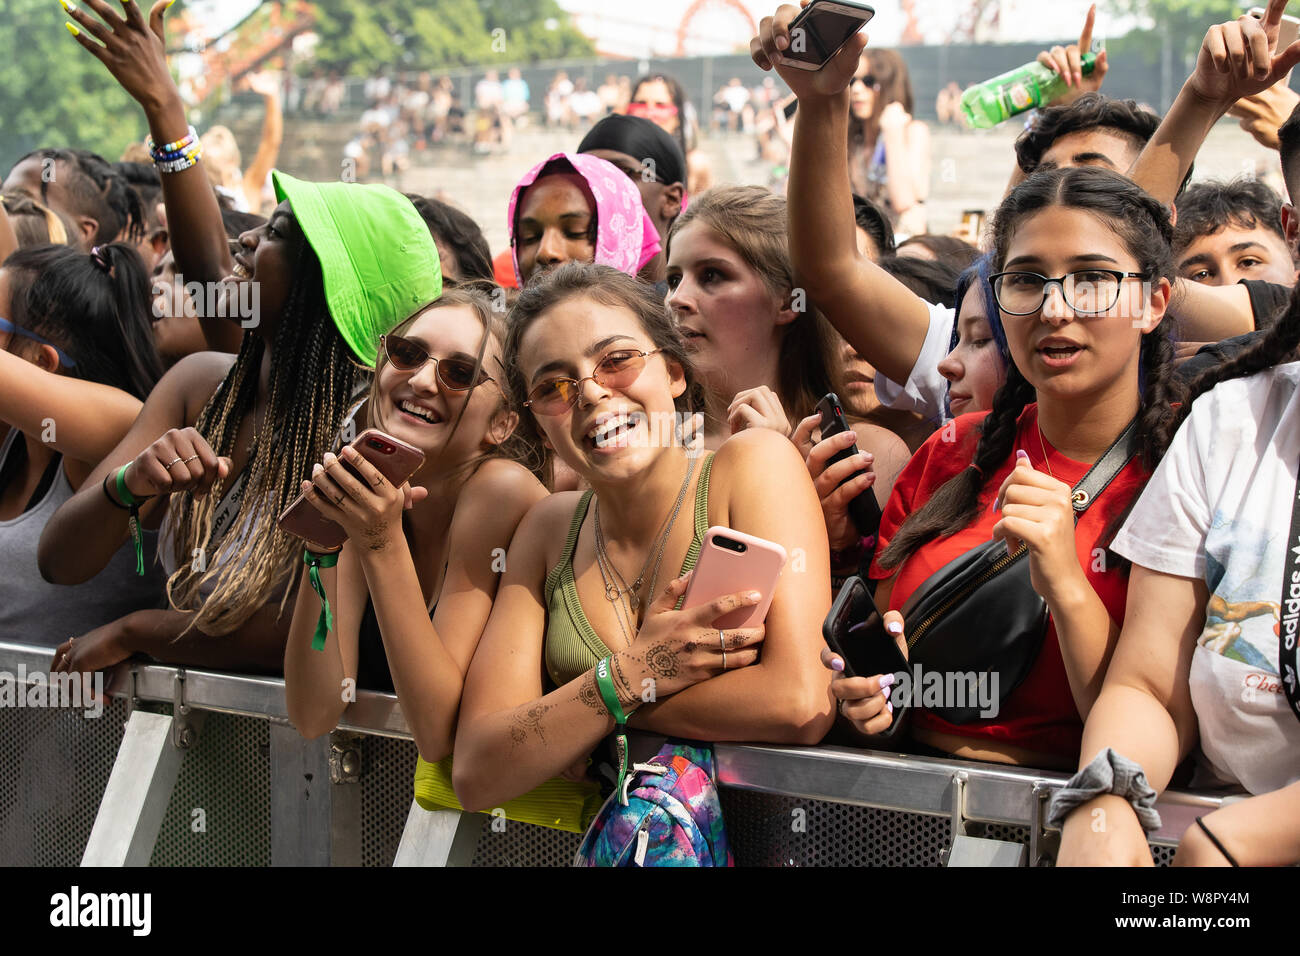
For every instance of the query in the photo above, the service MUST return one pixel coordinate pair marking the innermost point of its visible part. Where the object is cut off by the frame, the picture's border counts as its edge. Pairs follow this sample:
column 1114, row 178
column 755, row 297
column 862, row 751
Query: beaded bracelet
column 191, row 136
column 179, row 165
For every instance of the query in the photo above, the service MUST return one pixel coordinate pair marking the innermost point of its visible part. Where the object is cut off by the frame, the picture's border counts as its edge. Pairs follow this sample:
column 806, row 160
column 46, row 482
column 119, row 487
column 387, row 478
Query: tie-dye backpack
column 671, row 815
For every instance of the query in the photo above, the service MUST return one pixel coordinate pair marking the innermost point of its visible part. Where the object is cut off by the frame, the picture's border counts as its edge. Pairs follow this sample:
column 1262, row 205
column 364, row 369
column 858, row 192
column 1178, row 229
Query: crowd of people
column 1097, row 392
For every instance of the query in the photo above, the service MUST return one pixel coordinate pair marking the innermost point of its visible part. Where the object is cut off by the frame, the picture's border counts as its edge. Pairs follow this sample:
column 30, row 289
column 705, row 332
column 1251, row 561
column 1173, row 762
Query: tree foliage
column 52, row 92
column 364, row 36
column 1183, row 22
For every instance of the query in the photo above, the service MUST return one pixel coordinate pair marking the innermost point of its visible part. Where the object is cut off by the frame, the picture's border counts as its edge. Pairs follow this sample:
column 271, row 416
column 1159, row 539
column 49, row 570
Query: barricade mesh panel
column 387, row 789
column 769, row 830
column 54, row 766
column 227, row 776
column 522, row 844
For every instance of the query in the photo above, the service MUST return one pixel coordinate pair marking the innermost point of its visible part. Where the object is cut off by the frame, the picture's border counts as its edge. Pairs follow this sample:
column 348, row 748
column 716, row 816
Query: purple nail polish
column 837, row 664
column 894, row 627
column 886, row 680
column 1021, row 453
column 889, row 705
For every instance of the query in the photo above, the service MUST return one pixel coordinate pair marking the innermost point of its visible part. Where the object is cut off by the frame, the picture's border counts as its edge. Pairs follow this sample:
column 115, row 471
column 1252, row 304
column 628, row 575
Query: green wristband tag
column 324, row 623
column 605, row 684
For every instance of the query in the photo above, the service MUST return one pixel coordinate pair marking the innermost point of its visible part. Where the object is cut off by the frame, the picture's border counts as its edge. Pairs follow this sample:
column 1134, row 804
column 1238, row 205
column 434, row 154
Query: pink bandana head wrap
column 626, row 237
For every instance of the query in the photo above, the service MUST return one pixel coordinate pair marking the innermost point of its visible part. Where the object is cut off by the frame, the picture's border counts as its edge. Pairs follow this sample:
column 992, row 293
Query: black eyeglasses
column 1088, row 291
column 617, row 369
column 869, row 81
column 453, row 373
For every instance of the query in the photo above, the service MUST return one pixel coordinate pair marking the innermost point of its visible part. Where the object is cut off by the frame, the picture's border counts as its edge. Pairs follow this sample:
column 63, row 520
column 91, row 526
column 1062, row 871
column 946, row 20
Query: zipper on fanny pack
column 642, row 844
column 961, row 595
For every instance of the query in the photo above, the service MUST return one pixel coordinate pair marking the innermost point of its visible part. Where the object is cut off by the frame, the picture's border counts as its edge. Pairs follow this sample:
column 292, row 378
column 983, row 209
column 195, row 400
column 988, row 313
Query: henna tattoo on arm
column 589, row 693
column 377, row 536
column 525, row 719
column 623, row 687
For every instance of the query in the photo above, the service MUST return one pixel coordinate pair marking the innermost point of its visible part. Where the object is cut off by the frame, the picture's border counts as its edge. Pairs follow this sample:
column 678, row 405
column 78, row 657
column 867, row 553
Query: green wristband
column 133, row 522
column 605, row 684
column 324, row 623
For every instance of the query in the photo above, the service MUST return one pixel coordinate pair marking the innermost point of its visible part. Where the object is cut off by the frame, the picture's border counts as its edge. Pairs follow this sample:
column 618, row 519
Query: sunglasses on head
column 453, row 373
column 616, row 369
column 64, row 359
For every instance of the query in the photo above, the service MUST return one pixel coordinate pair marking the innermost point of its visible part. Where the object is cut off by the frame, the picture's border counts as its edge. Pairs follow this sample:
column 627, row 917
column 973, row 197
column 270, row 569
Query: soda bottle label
column 1020, row 96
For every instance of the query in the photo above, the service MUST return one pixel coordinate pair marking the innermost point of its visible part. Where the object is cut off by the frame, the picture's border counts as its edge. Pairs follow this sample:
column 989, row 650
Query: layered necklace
column 625, row 597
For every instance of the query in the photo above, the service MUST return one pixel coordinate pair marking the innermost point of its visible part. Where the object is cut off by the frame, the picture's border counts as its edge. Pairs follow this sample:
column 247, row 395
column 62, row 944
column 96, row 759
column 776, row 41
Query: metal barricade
column 192, row 768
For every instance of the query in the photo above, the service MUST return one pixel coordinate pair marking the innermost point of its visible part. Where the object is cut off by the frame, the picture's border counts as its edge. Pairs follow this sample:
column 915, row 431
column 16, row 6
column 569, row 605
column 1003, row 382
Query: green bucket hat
column 379, row 262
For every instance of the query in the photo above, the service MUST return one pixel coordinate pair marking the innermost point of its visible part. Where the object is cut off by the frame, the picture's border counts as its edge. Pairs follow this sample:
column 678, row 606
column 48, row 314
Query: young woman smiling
column 1090, row 356
column 603, row 374
column 413, row 588
column 222, row 441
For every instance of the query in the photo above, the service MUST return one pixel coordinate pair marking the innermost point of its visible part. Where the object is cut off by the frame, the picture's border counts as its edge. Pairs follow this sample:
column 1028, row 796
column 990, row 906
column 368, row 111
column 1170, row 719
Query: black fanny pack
column 978, row 624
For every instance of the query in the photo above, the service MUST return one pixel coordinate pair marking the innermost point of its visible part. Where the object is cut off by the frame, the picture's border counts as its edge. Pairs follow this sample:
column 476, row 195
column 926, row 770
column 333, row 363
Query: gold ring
column 168, row 466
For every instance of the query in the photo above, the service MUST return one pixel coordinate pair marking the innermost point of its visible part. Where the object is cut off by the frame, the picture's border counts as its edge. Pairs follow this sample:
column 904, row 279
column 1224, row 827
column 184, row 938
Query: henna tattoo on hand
column 376, row 536
column 622, row 686
column 662, row 660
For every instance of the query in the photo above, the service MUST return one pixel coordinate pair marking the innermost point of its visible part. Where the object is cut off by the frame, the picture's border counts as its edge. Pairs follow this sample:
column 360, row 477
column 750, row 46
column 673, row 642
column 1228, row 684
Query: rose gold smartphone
column 392, row 457
column 731, row 562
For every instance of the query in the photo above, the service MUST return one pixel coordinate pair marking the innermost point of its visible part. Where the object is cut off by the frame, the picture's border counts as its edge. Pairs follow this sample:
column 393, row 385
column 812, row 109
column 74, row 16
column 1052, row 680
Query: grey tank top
column 33, row 611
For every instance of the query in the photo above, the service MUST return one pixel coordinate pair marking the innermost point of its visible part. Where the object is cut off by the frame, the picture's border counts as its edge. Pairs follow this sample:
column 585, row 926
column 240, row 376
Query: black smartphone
column 855, row 630
column 819, row 31
column 864, row 509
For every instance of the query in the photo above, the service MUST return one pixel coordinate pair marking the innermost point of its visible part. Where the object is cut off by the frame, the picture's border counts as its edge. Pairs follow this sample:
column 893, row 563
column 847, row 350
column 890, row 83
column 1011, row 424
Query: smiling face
column 973, row 368
column 606, row 435
column 416, row 407
column 266, row 255
column 1233, row 253
column 557, row 220
column 729, row 316
column 1078, row 356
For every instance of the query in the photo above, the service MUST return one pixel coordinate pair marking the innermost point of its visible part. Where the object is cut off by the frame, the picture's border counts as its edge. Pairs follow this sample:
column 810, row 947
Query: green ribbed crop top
column 572, row 645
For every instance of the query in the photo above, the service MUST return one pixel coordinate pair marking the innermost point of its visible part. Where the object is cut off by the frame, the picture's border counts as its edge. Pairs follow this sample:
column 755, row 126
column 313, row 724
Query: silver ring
column 722, row 643
column 168, row 466
column 190, row 459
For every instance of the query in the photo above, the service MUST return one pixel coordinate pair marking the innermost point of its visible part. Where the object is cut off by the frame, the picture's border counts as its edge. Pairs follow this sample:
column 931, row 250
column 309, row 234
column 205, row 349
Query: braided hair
column 1142, row 224
column 312, row 383
column 99, row 190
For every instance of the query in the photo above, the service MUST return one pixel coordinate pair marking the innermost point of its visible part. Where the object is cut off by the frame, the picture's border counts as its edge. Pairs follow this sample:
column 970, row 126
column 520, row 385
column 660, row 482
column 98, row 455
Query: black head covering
column 640, row 139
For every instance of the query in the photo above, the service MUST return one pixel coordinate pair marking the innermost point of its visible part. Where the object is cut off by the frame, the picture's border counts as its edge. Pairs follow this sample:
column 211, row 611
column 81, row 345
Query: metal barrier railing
column 316, row 813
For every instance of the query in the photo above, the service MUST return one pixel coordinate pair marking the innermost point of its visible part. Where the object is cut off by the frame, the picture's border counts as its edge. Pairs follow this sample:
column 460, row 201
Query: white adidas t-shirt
column 925, row 391
column 1219, row 508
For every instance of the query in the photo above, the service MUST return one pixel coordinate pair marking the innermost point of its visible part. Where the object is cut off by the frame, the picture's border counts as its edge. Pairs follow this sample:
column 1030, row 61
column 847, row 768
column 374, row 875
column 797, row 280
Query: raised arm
column 880, row 317
column 1237, row 59
column 133, row 51
column 268, row 147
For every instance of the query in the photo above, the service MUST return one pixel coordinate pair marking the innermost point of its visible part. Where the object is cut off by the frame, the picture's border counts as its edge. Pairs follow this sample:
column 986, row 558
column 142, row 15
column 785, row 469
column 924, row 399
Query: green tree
column 1181, row 24
column 52, row 92
column 363, row 36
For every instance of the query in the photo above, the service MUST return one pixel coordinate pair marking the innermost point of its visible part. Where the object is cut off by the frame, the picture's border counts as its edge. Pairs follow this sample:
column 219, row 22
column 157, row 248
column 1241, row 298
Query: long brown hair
column 893, row 85
column 478, row 297
column 750, row 220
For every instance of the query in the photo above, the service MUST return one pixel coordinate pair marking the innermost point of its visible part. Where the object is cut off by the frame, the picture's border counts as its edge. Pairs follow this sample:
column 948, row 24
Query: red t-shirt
column 1039, row 715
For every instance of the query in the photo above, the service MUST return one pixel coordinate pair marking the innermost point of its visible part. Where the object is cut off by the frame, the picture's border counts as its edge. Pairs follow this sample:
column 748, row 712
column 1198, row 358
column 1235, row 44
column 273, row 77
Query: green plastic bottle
column 1024, row 88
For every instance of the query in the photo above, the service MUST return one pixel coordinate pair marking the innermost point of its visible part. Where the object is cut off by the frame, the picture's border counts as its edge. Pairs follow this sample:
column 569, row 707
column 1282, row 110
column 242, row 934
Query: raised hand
column 1240, row 58
column 774, row 38
column 131, row 48
column 1067, row 61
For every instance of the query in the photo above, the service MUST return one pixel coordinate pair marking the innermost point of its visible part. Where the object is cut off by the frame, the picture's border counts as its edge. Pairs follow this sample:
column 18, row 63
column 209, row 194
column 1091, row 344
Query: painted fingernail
column 886, row 680
column 1022, row 454
column 316, row 469
column 865, row 458
column 753, row 596
column 73, row 30
column 894, row 627
column 889, row 705
column 66, row 6
column 837, row 664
